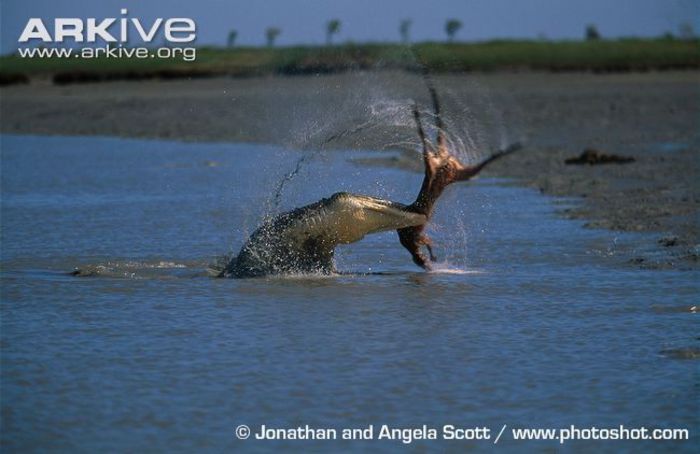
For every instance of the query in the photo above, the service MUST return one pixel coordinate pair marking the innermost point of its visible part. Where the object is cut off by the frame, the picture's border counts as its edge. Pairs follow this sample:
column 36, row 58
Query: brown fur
column 441, row 170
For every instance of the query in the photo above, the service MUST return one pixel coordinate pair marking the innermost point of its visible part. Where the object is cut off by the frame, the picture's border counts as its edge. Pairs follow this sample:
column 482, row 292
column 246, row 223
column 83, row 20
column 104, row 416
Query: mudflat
column 652, row 117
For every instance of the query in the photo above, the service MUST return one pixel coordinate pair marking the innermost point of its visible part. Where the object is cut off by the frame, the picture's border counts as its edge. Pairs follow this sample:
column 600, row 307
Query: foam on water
column 447, row 268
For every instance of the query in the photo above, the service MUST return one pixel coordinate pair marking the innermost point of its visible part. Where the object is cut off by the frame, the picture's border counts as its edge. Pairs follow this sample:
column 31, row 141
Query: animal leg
column 441, row 140
column 428, row 243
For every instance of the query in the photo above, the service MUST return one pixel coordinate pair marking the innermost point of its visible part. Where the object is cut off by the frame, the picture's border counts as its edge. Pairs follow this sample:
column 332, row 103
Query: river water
column 530, row 321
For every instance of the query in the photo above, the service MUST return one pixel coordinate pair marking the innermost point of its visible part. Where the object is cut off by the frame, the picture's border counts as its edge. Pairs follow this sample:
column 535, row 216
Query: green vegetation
column 592, row 33
column 332, row 28
column 232, row 35
column 405, row 30
column 452, row 26
column 271, row 35
column 596, row 55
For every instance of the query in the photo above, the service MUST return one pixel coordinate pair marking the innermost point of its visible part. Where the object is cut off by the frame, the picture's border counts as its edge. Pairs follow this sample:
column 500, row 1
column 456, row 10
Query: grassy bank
column 597, row 56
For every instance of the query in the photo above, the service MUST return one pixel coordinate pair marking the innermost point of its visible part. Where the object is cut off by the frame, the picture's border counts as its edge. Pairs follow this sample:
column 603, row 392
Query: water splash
column 447, row 268
column 376, row 115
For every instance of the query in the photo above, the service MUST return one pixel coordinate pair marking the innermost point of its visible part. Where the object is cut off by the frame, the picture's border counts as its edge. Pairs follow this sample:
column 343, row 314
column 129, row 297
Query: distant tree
column 592, row 33
column 232, row 35
column 271, row 34
column 332, row 27
column 405, row 30
column 452, row 26
column 685, row 31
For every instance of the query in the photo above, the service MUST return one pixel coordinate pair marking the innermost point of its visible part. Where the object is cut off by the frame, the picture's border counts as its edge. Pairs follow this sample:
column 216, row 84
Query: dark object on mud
column 13, row 79
column 591, row 156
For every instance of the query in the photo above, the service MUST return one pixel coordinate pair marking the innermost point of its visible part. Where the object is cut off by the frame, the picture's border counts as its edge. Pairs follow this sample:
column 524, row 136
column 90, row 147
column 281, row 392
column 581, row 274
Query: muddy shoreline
column 652, row 117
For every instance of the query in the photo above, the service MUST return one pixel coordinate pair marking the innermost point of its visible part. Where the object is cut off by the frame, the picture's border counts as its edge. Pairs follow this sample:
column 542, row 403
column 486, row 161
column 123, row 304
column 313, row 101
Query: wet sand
column 652, row 117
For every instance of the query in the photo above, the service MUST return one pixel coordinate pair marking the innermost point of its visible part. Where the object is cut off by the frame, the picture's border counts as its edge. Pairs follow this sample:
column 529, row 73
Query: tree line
column 452, row 26
column 333, row 26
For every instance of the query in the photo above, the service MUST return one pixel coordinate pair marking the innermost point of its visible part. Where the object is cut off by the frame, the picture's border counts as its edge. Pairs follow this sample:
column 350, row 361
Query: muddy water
column 531, row 320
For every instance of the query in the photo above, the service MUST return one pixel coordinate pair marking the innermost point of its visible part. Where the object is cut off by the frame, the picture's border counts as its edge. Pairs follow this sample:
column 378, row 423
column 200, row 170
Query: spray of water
column 375, row 113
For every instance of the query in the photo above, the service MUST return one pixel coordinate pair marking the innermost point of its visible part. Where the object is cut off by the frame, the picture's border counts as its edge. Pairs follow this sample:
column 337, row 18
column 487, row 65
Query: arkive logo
column 111, row 30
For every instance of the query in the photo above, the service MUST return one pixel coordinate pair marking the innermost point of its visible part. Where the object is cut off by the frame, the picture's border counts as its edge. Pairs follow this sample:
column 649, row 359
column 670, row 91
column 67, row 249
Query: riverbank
column 600, row 56
column 651, row 117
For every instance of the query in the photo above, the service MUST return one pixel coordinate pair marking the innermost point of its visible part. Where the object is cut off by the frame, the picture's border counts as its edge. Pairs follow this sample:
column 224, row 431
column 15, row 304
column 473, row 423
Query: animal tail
column 218, row 267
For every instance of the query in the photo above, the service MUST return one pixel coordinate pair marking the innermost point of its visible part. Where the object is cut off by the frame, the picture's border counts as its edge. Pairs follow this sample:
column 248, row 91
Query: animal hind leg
column 429, row 158
column 428, row 243
column 439, row 125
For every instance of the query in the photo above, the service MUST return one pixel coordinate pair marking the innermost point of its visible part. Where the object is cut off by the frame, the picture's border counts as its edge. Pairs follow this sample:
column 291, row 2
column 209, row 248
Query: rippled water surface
column 531, row 321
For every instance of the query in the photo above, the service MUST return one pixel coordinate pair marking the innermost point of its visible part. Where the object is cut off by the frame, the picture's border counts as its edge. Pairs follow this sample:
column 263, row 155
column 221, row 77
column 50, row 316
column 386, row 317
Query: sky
column 303, row 21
